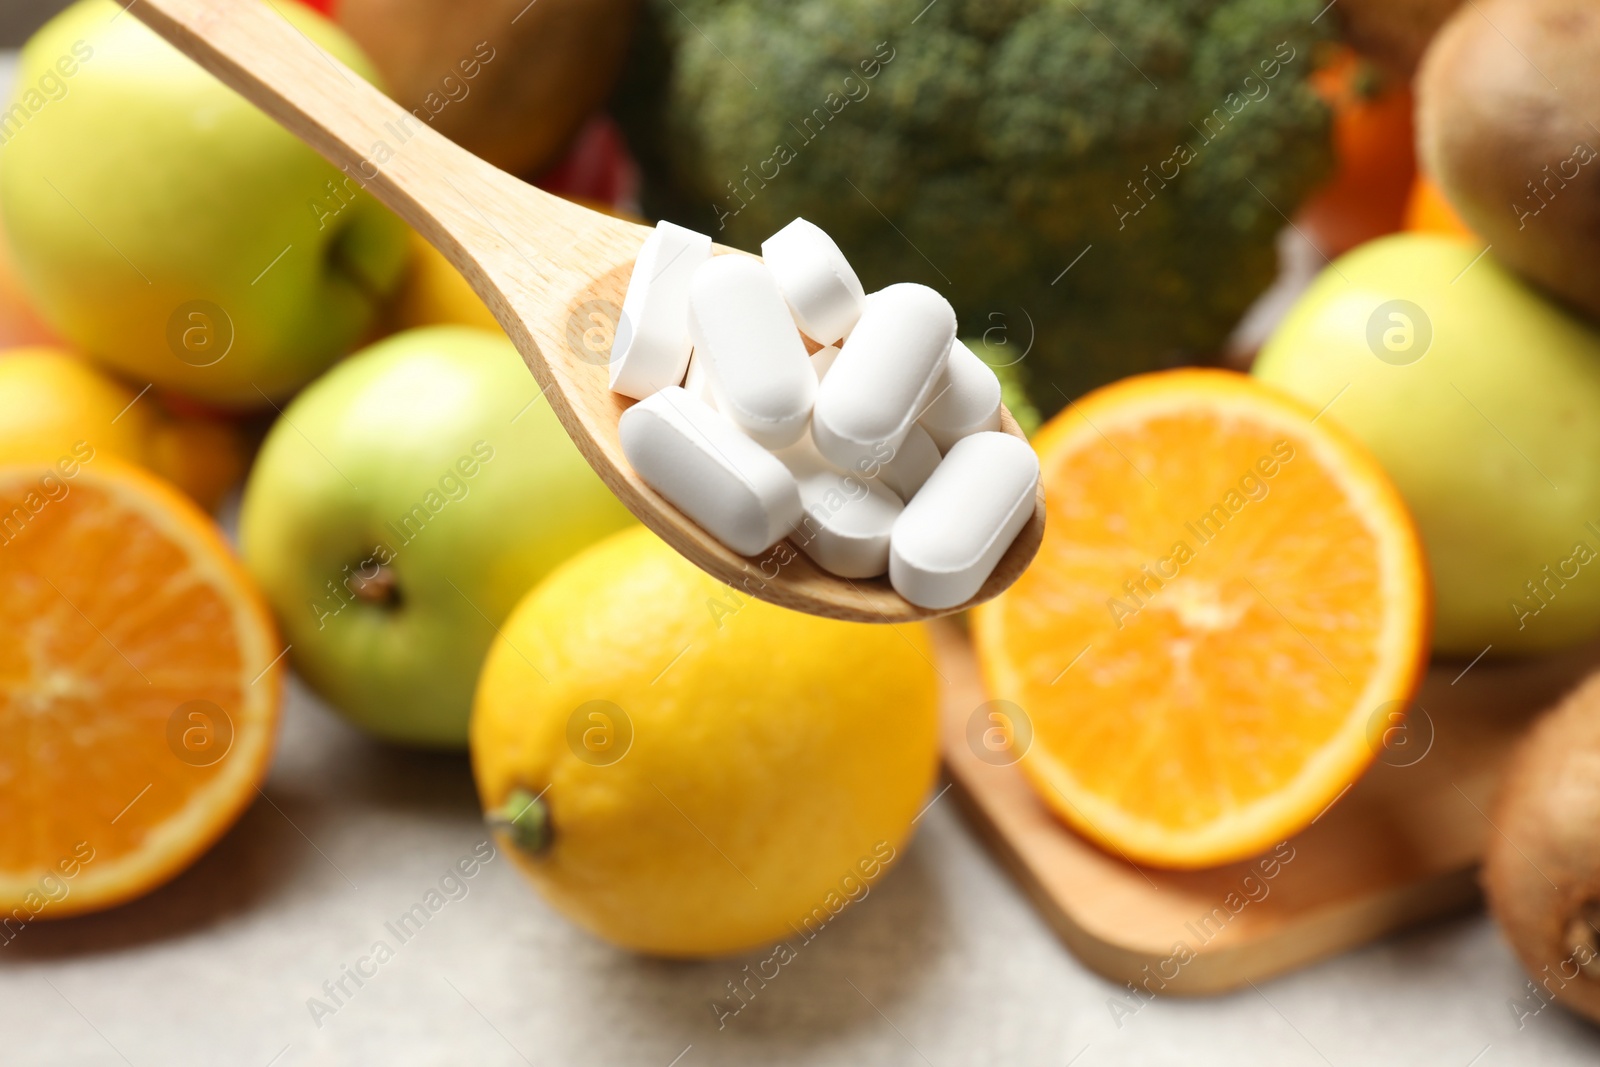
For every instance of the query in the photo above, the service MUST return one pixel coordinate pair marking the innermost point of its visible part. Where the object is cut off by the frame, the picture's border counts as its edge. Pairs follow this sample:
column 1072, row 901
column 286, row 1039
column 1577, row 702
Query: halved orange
column 1228, row 592
column 139, row 686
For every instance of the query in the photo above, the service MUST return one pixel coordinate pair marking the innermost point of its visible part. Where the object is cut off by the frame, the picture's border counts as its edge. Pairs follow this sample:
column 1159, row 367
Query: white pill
column 759, row 368
column 966, row 399
column 651, row 348
column 911, row 465
column 822, row 290
column 822, row 360
column 884, row 374
column 846, row 518
column 949, row 538
column 738, row 491
column 907, row 466
column 697, row 382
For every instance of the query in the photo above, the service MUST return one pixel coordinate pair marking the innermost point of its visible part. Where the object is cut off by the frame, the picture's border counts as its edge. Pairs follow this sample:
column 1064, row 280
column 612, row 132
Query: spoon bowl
column 552, row 272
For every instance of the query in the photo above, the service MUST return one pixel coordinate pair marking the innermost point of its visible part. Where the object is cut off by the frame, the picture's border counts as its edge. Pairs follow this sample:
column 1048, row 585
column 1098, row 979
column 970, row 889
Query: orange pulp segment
column 1228, row 592
column 139, row 686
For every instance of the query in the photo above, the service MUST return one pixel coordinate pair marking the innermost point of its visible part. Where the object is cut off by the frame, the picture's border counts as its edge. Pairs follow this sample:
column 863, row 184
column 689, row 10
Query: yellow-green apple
column 172, row 231
column 1482, row 400
column 398, row 510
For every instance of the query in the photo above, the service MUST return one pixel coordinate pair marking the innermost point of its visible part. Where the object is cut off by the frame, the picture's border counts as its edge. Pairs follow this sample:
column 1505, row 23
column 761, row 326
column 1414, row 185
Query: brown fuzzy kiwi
column 508, row 80
column 1515, row 155
column 1542, row 870
column 1393, row 33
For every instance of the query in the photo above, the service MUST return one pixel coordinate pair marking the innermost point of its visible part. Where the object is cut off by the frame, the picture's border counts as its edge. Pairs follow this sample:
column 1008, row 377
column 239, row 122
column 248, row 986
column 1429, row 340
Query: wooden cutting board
column 1400, row 846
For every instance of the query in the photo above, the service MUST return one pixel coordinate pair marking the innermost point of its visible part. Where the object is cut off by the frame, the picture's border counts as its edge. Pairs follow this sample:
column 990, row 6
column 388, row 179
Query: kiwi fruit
column 1542, row 869
column 1393, row 33
column 1516, row 156
column 509, row 80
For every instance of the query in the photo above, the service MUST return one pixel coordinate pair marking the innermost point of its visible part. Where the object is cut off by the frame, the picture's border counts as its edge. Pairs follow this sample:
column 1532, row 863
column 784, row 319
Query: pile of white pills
column 881, row 452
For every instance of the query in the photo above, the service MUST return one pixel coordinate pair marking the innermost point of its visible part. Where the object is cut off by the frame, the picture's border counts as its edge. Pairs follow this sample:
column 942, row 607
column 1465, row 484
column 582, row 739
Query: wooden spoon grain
column 553, row 273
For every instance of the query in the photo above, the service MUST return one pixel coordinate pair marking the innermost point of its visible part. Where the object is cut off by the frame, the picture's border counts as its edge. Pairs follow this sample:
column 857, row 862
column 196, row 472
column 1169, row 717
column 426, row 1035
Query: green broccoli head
column 984, row 147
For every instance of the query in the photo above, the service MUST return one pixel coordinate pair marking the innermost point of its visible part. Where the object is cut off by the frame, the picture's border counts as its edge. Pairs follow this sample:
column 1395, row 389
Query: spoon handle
column 258, row 53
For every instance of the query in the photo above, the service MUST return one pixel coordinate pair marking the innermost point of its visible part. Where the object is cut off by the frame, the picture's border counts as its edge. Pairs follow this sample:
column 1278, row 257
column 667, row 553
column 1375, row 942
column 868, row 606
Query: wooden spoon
column 552, row 272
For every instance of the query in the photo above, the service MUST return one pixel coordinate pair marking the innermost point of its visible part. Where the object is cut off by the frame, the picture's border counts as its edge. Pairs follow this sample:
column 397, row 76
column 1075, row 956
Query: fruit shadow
column 854, row 972
column 255, row 858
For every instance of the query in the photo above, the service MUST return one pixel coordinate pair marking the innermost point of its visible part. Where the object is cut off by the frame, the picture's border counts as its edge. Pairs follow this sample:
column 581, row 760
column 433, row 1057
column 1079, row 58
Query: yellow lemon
column 688, row 771
column 434, row 293
column 55, row 405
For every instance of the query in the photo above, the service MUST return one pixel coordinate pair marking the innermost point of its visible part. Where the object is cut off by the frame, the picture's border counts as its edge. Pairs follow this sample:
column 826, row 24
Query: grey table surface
column 945, row 963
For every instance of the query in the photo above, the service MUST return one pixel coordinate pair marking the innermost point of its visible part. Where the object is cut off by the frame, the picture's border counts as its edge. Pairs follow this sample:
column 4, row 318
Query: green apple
column 399, row 509
column 169, row 229
column 1482, row 400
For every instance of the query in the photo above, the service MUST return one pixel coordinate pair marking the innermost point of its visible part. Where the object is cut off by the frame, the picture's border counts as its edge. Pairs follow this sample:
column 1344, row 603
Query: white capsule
column 906, row 467
column 884, row 374
column 911, row 465
column 846, row 518
column 759, row 369
column 966, row 399
column 738, row 491
column 822, row 290
column 697, row 382
column 949, row 538
column 651, row 348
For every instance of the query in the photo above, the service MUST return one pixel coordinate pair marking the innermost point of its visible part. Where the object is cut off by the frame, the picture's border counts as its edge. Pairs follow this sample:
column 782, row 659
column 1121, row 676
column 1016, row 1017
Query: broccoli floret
column 984, row 147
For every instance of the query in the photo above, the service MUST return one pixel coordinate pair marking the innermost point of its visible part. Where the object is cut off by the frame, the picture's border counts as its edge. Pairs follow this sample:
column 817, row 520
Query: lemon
column 687, row 771
column 434, row 293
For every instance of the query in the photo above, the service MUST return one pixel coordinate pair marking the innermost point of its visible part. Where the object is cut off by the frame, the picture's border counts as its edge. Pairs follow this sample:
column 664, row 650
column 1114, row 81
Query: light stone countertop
column 944, row 963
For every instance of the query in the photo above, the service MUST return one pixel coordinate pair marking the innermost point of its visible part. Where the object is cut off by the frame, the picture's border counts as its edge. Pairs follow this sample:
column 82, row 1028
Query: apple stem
column 525, row 819
column 382, row 588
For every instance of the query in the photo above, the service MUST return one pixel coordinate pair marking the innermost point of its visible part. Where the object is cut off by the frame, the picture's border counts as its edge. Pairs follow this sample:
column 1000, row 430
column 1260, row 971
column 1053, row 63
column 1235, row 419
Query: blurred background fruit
column 19, row 323
column 635, row 710
column 169, row 229
column 509, row 81
column 988, row 150
column 433, row 293
column 596, row 169
column 398, row 510
column 1394, row 33
column 1427, row 211
column 1373, row 142
column 1481, row 398
column 1518, row 157
column 126, row 761
column 1542, row 872
column 50, row 400
column 1225, row 593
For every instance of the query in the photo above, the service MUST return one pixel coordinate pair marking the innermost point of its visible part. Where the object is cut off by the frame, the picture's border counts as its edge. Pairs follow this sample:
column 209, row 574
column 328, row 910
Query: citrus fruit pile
column 1228, row 591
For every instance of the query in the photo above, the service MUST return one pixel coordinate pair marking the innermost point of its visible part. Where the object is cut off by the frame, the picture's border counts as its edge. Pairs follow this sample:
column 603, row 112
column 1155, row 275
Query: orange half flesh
column 138, row 690
column 1228, row 591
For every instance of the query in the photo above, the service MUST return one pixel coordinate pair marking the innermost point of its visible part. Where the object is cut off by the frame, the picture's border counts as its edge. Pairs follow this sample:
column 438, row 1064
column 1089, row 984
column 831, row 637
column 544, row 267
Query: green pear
column 1482, row 400
column 399, row 509
column 169, row 229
